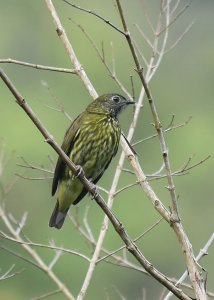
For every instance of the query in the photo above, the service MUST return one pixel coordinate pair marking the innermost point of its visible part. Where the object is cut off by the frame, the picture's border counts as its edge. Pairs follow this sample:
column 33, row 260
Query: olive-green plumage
column 91, row 141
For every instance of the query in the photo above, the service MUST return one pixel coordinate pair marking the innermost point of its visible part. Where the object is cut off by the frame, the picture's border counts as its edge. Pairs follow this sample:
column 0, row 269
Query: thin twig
column 175, row 18
column 36, row 66
column 148, row 18
column 59, row 249
column 21, row 257
column 144, row 35
column 46, row 295
column 101, row 55
column 164, row 130
column 32, row 178
column 157, row 175
column 135, row 240
column 59, row 104
column 203, row 252
column 28, row 165
column 96, row 15
column 38, row 262
column 185, row 168
column 8, row 274
column 87, row 227
column 179, row 38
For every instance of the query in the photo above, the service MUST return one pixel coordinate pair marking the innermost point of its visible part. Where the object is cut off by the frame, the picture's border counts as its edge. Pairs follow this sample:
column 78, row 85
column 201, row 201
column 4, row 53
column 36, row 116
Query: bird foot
column 95, row 191
column 79, row 171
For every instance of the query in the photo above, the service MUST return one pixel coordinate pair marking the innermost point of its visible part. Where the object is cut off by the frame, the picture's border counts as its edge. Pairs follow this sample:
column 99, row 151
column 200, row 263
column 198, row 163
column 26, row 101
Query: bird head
column 111, row 104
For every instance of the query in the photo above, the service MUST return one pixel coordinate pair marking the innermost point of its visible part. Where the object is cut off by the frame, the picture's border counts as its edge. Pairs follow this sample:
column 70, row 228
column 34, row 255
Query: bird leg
column 79, row 171
column 94, row 190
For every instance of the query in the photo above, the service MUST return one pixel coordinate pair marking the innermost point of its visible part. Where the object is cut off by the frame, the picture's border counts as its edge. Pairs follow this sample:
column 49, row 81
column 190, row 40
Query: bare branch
column 144, row 36
column 46, row 295
column 96, row 15
column 52, row 247
column 28, row 165
column 55, row 259
column 21, row 257
column 195, row 276
column 62, row 35
column 157, row 175
column 8, row 274
column 87, row 227
column 131, row 246
column 60, row 106
column 32, row 178
column 169, row 128
column 36, row 66
column 141, row 177
column 179, row 38
column 185, row 168
column 101, row 55
column 202, row 253
column 135, row 240
column 37, row 260
column 145, row 12
column 175, row 18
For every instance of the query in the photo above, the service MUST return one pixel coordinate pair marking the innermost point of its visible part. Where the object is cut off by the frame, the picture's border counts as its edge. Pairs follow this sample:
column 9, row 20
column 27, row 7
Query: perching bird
column 91, row 141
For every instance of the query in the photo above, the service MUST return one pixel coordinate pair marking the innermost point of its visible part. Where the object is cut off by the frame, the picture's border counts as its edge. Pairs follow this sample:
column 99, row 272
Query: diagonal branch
column 102, row 58
column 131, row 246
column 203, row 252
column 62, row 35
column 141, row 176
column 195, row 276
column 96, row 15
column 147, row 189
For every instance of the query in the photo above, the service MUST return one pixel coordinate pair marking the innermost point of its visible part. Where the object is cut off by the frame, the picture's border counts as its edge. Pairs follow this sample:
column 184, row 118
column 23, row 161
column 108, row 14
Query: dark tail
column 58, row 217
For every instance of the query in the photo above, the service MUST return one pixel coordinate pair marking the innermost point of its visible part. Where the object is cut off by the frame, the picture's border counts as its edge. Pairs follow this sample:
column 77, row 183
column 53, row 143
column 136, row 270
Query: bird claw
column 79, row 171
column 95, row 191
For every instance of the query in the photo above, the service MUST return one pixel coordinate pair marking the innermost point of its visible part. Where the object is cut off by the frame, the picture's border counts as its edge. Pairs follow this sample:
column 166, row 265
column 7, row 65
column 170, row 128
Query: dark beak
column 130, row 101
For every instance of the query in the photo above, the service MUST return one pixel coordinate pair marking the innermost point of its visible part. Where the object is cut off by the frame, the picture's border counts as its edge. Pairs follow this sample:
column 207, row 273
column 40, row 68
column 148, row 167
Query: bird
column 91, row 141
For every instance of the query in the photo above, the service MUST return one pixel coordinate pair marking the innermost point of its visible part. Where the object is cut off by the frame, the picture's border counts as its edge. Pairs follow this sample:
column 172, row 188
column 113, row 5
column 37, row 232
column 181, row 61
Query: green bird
column 91, row 141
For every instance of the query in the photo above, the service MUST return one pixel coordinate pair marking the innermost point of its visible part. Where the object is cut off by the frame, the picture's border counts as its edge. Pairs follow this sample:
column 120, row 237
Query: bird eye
column 116, row 99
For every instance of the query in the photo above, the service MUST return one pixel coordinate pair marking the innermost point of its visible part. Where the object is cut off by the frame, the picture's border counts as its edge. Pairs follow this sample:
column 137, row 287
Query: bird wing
column 85, row 191
column 66, row 147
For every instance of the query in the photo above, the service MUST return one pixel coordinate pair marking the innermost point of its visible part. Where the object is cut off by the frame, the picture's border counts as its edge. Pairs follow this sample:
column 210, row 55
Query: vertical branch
column 156, row 202
column 203, row 251
column 195, row 276
column 63, row 36
column 163, row 47
column 150, row 72
column 156, row 119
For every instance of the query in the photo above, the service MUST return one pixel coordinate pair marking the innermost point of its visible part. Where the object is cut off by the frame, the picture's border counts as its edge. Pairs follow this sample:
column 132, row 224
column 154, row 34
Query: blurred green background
column 182, row 86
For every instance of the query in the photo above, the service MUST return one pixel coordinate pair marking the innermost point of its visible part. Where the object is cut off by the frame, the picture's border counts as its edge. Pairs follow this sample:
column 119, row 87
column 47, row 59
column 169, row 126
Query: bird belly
column 97, row 150
column 93, row 150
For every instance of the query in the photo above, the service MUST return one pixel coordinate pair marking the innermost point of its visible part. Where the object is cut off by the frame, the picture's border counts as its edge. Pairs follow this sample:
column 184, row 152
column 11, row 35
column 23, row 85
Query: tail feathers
column 58, row 217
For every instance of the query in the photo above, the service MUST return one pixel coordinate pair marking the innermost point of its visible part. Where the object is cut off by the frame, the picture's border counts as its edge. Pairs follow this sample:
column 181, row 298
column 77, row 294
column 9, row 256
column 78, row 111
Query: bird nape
column 91, row 142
